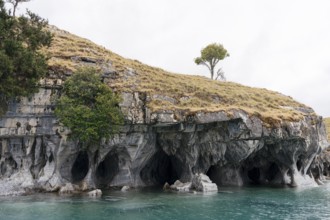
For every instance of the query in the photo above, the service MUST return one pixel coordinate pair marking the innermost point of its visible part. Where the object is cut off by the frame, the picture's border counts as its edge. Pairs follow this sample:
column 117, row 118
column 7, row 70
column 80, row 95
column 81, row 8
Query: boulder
column 95, row 193
column 166, row 186
column 66, row 189
column 181, row 187
column 125, row 188
column 202, row 183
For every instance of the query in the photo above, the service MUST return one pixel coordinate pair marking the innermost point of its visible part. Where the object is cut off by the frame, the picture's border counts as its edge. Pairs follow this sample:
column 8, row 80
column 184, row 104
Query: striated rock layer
column 154, row 148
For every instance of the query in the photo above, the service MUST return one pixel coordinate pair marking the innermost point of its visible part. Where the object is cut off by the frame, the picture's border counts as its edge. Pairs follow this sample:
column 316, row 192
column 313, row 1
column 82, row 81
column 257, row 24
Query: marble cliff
column 153, row 148
column 159, row 143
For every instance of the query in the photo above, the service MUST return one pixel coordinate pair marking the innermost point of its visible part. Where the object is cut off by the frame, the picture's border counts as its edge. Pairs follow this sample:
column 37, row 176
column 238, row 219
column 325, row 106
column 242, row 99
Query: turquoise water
column 229, row 203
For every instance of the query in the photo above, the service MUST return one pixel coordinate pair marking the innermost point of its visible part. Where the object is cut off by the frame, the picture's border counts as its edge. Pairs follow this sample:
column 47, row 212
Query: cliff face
column 155, row 147
column 176, row 126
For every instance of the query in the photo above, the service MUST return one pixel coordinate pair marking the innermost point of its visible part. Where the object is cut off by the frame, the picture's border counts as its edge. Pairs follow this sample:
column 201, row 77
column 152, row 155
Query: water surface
column 229, row 203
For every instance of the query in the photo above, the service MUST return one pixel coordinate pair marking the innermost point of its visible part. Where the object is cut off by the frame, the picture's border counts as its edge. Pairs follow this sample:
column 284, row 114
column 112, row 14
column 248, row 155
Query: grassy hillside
column 327, row 125
column 168, row 90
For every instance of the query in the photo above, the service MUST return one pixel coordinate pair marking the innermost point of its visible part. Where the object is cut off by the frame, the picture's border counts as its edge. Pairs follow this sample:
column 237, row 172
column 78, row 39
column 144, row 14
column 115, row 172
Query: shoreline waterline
column 150, row 203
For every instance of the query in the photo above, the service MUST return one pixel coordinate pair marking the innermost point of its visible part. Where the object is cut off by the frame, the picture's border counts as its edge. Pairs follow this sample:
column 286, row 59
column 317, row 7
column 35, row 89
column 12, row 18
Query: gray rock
column 166, row 186
column 156, row 147
column 125, row 188
column 66, row 189
column 164, row 98
column 181, row 187
column 202, row 183
column 95, row 193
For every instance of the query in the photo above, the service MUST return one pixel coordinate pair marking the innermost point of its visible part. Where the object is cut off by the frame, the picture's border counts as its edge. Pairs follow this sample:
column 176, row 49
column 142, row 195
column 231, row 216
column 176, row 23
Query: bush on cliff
column 21, row 62
column 88, row 107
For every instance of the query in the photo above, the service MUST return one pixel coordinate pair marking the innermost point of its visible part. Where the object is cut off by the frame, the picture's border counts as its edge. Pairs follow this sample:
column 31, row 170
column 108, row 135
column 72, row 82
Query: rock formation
column 202, row 183
column 95, row 193
column 153, row 148
column 176, row 126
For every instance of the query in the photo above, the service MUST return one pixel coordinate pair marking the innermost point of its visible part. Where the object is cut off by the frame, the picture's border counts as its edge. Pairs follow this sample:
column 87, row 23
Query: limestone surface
column 152, row 148
column 202, row 183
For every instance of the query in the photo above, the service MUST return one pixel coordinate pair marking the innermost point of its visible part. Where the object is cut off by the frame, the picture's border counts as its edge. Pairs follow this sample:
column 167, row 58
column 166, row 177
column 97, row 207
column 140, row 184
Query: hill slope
column 327, row 125
column 169, row 91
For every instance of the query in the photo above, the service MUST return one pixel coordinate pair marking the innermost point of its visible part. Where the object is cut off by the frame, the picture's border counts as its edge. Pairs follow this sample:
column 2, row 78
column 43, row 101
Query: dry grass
column 175, row 91
column 327, row 125
column 65, row 47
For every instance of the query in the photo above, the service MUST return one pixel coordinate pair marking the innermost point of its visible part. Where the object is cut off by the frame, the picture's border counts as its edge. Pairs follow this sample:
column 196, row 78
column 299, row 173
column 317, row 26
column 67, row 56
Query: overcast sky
column 282, row 45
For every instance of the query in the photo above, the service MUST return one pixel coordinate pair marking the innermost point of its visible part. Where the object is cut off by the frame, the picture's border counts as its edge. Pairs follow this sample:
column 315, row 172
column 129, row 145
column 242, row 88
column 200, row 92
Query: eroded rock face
column 202, row 183
column 154, row 148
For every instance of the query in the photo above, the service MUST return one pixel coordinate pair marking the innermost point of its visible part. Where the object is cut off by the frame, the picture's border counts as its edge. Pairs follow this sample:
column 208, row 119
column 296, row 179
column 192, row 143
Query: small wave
column 113, row 198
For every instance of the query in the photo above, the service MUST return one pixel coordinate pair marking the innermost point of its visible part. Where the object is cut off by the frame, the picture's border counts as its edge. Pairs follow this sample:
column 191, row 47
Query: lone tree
column 210, row 56
column 89, row 108
column 15, row 4
column 21, row 62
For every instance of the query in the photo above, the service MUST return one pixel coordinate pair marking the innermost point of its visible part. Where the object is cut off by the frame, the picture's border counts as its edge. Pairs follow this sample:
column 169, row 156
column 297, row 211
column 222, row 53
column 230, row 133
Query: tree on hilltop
column 15, row 4
column 210, row 56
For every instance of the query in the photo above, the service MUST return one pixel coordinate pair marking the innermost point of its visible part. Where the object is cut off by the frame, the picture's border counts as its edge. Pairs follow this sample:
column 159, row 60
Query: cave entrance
column 107, row 169
column 299, row 165
column 80, row 167
column 326, row 169
column 272, row 172
column 213, row 174
column 161, row 168
column 254, row 175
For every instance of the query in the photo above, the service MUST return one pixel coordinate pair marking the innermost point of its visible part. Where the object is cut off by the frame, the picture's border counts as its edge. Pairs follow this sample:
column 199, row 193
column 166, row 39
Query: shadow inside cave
column 161, row 168
column 107, row 169
column 80, row 167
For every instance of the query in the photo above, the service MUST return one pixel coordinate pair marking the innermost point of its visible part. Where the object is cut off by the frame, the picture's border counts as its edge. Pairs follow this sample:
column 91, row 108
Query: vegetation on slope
column 88, row 107
column 171, row 91
column 327, row 125
column 21, row 63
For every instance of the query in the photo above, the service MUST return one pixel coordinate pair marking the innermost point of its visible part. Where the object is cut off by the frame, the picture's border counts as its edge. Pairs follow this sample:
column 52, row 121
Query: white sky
column 282, row 45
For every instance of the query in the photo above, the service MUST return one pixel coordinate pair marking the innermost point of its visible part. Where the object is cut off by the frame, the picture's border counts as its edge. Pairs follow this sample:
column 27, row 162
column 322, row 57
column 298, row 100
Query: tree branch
column 221, row 74
column 205, row 64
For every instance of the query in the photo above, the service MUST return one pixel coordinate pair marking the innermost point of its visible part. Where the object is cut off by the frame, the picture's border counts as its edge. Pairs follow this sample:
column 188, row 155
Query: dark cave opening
column 326, row 169
column 51, row 158
column 213, row 174
column 107, row 169
column 161, row 168
column 254, row 175
column 299, row 164
column 272, row 172
column 80, row 167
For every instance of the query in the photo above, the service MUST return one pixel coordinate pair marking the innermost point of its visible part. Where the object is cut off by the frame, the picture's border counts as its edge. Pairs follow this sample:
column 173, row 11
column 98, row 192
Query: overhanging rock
column 236, row 150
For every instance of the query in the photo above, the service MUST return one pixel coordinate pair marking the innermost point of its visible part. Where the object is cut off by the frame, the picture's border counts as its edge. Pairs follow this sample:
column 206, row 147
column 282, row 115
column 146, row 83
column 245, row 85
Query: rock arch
column 161, row 168
column 116, row 163
column 107, row 169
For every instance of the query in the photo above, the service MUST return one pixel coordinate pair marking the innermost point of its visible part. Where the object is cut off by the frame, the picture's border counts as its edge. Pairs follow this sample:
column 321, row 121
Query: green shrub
column 89, row 108
column 21, row 62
